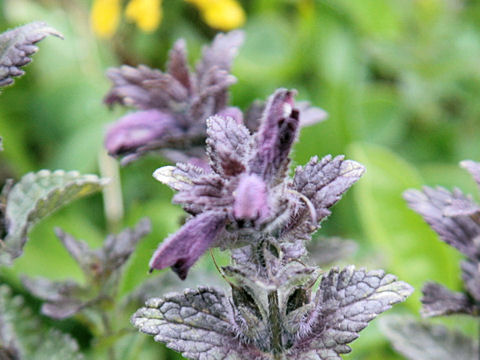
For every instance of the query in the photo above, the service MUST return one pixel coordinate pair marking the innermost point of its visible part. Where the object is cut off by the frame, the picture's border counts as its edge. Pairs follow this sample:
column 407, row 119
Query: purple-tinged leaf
column 219, row 54
column 101, row 263
column 18, row 45
column 130, row 88
column 180, row 177
column 178, row 65
column 473, row 168
column 229, row 145
column 138, row 129
column 462, row 206
column 116, row 249
column 471, row 278
column 196, row 324
column 275, row 137
column 36, row 196
column 438, row 300
column 458, row 231
column 182, row 249
column 101, row 267
column 423, row 341
column 346, row 301
column 251, row 199
column 323, row 184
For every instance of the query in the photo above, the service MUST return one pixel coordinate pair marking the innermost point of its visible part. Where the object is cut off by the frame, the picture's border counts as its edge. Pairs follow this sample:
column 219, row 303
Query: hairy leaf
column 195, row 323
column 101, row 268
column 471, row 278
column 16, row 47
column 36, row 196
column 346, row 301
column 228, row 145
column 438, row 300
column 457, row 231
column 422, row 341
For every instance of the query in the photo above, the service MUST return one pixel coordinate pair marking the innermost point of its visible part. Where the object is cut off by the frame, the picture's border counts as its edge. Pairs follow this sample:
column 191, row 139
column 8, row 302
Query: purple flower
column 247, row 193
column 172, row 105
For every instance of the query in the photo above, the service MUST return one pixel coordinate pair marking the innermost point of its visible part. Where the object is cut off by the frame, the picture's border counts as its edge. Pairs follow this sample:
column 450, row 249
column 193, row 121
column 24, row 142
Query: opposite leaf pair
column 201, row 324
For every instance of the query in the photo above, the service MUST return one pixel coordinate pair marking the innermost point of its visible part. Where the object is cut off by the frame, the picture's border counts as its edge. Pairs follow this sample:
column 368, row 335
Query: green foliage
column 36, row 196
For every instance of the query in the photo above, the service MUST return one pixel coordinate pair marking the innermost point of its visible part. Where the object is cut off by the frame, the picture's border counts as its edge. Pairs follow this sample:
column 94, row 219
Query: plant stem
column 108, row 332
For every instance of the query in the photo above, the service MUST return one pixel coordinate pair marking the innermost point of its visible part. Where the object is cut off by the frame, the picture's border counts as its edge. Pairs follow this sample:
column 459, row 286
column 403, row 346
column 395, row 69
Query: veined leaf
column 16, row 47
column 36, row 196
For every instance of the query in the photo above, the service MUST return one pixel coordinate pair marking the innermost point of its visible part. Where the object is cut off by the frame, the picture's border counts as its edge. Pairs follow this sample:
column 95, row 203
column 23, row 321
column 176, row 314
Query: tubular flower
column 247, row 194
column 173, row 105
column 147, row 14
column 105, row 17
column 221, row 14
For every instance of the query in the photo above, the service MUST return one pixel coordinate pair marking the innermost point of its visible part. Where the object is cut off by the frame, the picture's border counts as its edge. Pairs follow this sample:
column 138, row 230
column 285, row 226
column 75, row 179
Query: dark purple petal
column 310, row 115
column 471, row 278
column 138, row 129
column 459, row 231
column 275, row 137
column 438, row 300
column 473, row 168
column 229, row 144
column 178, row 64
column 182, row 249
column 251, row 199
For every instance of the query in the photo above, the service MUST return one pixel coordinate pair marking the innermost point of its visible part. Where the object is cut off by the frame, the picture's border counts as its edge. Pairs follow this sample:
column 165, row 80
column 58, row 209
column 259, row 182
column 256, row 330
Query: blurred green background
column 400, row 80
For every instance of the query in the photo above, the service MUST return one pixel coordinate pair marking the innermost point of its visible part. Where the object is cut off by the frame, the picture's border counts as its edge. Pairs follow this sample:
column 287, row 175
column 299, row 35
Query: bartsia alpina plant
column 246, row 202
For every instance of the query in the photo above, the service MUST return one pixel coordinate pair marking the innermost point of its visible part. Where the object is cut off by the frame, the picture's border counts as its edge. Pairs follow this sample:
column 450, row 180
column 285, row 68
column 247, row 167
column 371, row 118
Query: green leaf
column 16, row 47
column 410, row 248
column 36, row 196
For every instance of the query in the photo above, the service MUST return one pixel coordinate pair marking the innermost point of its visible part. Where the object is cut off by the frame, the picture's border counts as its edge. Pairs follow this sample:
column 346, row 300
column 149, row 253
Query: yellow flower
column 105, row 17
column 221, row 14
column 147, row 14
